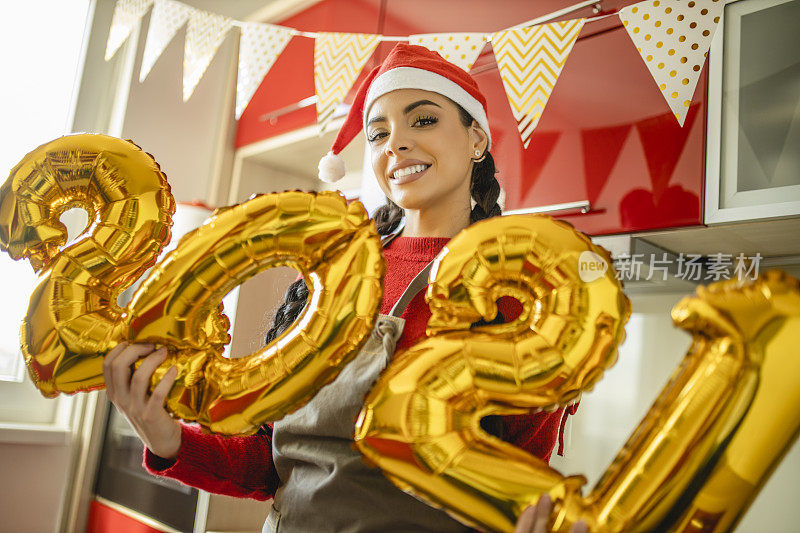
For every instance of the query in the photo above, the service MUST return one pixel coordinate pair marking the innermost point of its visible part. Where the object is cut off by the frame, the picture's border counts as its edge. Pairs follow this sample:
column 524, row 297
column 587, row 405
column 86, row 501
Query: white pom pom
column 331, row 168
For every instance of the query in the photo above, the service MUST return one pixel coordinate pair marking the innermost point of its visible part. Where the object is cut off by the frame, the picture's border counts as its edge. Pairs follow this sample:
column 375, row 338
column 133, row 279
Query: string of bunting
column 671, row 36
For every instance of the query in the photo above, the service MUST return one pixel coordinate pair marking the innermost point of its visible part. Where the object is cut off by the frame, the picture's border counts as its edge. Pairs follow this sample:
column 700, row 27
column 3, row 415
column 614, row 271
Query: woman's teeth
column 408, row 170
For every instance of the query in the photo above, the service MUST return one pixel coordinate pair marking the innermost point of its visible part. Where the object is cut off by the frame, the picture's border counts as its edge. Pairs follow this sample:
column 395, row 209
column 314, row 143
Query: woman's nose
column 397, row 143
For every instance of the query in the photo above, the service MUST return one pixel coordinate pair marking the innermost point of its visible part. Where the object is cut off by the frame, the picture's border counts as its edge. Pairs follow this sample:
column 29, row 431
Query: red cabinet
column 606, row 135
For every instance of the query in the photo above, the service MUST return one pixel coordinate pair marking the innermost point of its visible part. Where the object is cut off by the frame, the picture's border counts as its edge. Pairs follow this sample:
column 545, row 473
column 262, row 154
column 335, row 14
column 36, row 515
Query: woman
column 428, row 135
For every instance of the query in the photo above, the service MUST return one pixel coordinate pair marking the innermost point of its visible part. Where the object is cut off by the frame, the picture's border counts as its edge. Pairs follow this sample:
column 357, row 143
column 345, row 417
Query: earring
column 479, row 156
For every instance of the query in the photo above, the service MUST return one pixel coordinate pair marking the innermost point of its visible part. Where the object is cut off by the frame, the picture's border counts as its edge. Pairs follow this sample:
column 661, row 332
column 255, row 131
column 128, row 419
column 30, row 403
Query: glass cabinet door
column 754, row 132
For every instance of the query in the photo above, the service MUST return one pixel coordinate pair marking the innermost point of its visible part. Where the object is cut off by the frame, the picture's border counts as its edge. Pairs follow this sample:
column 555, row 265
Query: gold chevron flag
column 167, row 18
column 461, row 49
column 205, row 33
column 530, row 61
column 259, row 47
column 127, row 14
column 673, row 38
column 338, row 58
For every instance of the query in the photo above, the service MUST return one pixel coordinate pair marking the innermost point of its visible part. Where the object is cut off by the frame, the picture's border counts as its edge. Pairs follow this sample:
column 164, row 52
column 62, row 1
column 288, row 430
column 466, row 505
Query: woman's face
column 421, row 151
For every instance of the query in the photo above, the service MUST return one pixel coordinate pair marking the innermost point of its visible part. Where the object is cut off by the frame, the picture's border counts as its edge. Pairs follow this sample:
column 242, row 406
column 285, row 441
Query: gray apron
column 325, row 485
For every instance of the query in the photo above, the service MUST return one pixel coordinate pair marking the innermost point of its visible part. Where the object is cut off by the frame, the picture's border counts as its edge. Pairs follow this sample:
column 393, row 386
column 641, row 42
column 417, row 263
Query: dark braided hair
column 484, row 189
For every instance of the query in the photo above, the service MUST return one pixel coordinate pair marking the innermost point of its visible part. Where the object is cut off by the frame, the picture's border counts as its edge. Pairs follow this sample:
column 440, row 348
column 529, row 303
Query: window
column 42, row 51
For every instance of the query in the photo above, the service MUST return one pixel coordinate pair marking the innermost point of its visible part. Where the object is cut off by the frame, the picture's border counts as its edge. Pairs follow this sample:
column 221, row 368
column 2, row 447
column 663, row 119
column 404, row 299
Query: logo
column 591, row 266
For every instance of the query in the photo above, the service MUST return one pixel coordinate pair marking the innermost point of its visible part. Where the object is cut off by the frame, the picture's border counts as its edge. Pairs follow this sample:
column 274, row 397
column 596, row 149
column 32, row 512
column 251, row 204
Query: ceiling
column 243, row 9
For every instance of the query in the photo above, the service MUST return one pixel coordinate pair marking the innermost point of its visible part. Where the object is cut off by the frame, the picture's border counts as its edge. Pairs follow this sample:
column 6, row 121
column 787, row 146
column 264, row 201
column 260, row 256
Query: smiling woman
column 429, row 140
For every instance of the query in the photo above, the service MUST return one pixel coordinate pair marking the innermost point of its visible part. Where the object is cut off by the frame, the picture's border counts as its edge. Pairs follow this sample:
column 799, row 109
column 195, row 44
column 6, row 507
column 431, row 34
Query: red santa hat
column 407, row 66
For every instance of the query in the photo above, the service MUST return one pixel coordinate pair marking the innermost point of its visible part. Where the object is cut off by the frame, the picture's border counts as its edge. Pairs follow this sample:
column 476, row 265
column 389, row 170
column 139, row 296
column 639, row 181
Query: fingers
column 579, row 527
column 535, row 519
column 543, row 507
column 159, row 394
column 108, row 374
column 526, row 519
column 117, row 370
column 140, row 383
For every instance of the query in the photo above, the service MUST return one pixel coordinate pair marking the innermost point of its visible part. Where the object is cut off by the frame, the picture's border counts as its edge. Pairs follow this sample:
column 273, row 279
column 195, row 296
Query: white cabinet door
column 753, row 161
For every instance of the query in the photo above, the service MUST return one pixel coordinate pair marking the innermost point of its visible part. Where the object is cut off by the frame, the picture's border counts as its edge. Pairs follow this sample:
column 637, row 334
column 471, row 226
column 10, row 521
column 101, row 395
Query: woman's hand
column 534, row 519
column 144, row 410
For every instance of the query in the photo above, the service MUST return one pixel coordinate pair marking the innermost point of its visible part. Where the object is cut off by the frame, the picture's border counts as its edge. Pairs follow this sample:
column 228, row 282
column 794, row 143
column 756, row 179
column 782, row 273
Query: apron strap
column 419, row 282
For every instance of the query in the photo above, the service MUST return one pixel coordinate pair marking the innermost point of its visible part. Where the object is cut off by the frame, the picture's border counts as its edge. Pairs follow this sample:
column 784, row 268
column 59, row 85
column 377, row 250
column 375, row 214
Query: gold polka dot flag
column 673, row 38
column 338, row 58
column 167, row 18
column 259, row 47
column 205, row 33
column 530, row 61
column 461, row 49
column 127, row 14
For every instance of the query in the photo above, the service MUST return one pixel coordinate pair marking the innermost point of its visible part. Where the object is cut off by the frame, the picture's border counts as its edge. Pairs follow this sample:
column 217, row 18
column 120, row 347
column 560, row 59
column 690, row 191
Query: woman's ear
column 479, row 138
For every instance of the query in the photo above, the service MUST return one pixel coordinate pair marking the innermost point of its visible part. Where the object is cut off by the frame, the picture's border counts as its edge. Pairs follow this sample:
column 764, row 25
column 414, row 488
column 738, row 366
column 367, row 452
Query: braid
column 387, row 217
column 483, row 186
column 485, row 190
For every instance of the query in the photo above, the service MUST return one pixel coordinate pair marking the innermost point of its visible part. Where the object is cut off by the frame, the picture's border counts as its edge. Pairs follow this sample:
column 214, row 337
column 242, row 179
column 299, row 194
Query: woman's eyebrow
column 409, row 108
column 418, row 103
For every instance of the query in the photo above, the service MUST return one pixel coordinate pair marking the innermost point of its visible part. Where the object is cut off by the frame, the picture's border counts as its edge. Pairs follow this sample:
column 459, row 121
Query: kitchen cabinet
column 606, row 139
column 753, row 164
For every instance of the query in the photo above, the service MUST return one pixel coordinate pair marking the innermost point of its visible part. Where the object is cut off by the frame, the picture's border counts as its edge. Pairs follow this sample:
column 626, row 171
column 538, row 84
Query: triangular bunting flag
column 205, row 33
column 167, row 18
column 338, row 59
column 673, row 38
column 461, row 49
column 530, row 61
column 259, row 47
column 127, row 14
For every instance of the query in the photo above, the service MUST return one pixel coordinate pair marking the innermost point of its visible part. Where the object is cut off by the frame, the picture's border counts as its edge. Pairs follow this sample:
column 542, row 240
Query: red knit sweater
column 242, row 466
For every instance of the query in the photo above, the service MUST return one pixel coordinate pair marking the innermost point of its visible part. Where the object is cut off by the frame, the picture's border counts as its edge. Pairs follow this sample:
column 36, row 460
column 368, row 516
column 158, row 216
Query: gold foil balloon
column 337, row 249
column 73, row 319
column 73, row 314
column 420, row 422
column 697, row 459
column 695, row 462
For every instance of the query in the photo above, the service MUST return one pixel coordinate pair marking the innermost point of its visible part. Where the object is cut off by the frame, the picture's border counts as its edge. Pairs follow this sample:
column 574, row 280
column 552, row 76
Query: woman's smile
column 407, row 171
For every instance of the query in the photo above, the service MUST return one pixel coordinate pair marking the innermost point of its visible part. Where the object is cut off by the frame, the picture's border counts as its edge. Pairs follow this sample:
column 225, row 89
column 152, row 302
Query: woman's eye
column 376, row 136
column 425, row 121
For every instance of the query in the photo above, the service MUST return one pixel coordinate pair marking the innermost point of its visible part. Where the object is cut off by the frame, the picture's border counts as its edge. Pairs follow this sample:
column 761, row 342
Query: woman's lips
column 408, row 178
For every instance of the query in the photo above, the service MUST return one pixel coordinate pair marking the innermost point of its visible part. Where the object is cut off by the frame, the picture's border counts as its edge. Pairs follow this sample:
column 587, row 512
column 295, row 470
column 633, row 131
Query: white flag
column 205, row 33
column 167, row 18
column 259, row 47
column 461, row 49
column 673, row 38
column 127, row 14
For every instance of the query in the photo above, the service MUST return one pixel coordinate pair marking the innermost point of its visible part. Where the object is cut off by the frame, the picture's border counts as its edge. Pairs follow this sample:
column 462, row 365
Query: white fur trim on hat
column 417, row 78
column 331, row 168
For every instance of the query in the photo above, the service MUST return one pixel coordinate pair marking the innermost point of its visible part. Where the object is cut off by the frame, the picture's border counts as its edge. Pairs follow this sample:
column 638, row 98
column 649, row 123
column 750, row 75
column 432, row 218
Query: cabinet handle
column 583, row 205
